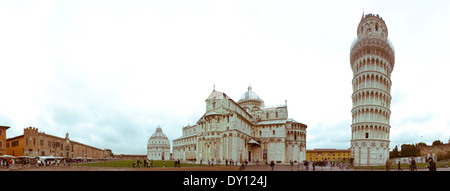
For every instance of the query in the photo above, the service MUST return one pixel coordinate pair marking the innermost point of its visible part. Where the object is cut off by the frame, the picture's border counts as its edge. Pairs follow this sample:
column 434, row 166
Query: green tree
column 422, row 144
column 395, row 153
column 437, row 142
column 410, row 150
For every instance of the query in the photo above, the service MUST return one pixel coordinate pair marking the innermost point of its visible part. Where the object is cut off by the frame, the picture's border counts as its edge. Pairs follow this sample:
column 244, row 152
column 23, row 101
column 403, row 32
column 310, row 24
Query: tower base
column 370, row 152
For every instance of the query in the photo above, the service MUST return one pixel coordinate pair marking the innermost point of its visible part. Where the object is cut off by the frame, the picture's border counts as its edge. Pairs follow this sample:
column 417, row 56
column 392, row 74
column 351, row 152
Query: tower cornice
column 371, row 90
column 371, row 45
column 369, row 107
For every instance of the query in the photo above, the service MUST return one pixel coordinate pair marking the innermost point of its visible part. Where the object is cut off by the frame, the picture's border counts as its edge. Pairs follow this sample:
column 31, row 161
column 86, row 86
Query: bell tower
column 372, row 60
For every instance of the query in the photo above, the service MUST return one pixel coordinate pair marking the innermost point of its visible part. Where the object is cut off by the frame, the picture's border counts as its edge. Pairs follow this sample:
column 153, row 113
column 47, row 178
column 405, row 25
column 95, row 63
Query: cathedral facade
column 243, row 130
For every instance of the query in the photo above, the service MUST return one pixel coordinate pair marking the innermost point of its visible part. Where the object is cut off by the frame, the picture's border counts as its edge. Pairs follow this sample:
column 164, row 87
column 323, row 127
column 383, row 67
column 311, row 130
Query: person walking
column 399, row 168
column 272, row 164
column 432, row 166
column 306, row 165
column 387, row 165
column 413, row 164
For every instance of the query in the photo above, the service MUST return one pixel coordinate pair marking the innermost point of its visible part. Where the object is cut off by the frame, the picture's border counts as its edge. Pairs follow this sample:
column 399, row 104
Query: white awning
column 7, row 156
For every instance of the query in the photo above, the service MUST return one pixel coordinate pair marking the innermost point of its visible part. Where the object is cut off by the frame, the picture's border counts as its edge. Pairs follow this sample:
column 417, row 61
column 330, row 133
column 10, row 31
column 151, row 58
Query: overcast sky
column 109, row 72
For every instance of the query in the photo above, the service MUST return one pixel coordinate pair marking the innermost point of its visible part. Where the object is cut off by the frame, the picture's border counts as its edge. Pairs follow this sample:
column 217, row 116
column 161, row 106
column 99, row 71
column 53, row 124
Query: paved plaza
column 88, row 168
column 321, row 168
column 204, row 168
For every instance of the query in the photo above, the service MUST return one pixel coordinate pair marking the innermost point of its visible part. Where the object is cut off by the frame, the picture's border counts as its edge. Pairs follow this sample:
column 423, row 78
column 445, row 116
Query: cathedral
column 239, row 131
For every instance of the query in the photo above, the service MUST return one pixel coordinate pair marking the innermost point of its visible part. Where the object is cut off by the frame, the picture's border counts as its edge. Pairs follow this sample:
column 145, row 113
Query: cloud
column 109, row 73
column 329, row 135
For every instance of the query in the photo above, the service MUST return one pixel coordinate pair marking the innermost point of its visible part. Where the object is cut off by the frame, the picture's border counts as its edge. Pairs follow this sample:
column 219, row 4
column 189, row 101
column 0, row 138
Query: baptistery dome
column 158, row 134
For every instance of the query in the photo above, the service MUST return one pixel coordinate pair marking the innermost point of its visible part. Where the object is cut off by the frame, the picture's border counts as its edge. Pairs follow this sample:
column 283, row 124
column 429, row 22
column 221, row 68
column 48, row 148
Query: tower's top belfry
column 372, row 38
column 372, row 25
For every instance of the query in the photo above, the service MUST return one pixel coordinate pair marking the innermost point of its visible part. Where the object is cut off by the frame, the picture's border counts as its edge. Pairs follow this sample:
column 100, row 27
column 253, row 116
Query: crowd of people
column 149, row 163
column 27, row 162
column 322, row 163
column 413, row 165
column 227, row 162
column 6, row 163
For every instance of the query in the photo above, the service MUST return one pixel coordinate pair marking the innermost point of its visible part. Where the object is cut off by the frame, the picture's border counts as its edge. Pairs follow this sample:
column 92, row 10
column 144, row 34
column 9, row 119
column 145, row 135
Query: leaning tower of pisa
column 372, row 60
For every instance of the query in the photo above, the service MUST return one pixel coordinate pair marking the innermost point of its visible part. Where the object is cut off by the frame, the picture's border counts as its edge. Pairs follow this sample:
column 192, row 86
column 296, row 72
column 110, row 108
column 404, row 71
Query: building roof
column 329, row 150
column 5, row 127
column 186, row 136
column 211, row 113
column 217, row 95
column 158, row 134
column 279, row 121
column 250, row 95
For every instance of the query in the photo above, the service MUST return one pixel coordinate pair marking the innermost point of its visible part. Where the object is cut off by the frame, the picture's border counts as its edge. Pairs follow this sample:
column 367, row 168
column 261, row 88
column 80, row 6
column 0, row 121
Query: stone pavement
column 88, row 168
column 203, row 168
column 319, row 168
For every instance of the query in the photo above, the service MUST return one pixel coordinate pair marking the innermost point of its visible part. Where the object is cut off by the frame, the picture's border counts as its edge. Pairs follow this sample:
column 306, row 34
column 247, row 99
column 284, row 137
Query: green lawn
column 129, row 164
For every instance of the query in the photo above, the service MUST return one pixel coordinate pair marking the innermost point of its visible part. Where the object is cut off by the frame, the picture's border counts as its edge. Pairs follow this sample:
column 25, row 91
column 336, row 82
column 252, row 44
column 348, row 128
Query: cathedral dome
column 250, row 101
column 249, row 95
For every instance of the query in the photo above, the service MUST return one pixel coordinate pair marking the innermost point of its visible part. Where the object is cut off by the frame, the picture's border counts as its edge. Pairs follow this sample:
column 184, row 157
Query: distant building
column 130, row 157
column 328, row 154
column 34, row 143
column 185, row 147
column 438, row 152
column 158, row 146
column 3, row 140
column 407, row 160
